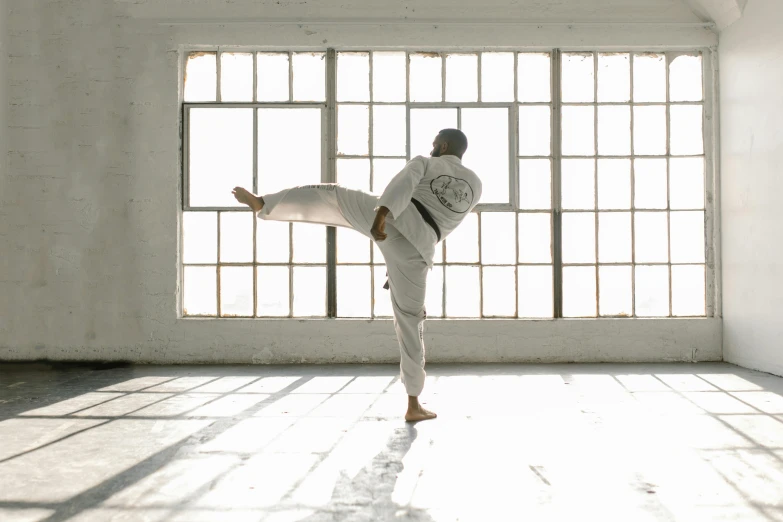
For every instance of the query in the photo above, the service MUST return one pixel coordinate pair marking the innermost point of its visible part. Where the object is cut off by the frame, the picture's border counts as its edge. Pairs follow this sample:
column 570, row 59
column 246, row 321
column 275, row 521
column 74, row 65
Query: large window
column 593, row 166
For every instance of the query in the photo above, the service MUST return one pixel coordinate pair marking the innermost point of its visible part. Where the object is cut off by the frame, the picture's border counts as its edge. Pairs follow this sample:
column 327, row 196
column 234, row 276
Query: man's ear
column 444, row 147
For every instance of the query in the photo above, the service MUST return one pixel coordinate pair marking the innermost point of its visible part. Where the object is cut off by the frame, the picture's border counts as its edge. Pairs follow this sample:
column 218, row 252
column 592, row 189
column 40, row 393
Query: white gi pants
column 333, row 205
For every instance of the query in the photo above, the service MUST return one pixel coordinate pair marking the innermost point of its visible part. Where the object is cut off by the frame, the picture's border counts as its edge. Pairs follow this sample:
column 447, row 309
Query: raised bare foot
column 419, row 414
column 247, row 198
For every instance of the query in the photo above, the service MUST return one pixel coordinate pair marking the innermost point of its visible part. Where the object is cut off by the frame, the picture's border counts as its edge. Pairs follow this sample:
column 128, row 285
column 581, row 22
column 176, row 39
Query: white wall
column 751, row 79
column 91, row 206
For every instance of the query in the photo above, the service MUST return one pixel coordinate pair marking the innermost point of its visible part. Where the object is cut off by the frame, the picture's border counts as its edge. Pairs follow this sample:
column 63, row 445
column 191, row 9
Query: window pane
column 221, row 155
column 199, row 292
column 649, row 130
column 535, row 184
column 649, row 78
column 499, row 287
column 650, row 183
column 309, row 243
column 614, row 237
column 462, row 291
column 462, row 244
column 353, row 291
column 354, row 173
column 652, row 291
column 535, row 238
column 688, row 297
column 487, row 155
column 614, row 184
column 579, row 237
column 578, row 131
column 273, row 291
column 615, row 291
column 199, row 237
column 388, row 77
column 497, row 77
column 383, row 307
column 535, row 291
column 272, row 76
column 236, row 237
column 535, row 130
column 578, row 80
column 686, row 130
column 425, row 126
column 687, row 229
column 534, row 81
column 353, row 77
column 651, row 237
column 352, row 247
column 686, row 183
column 578, row 184
column 498, row 245
column 389, row 131
column 236, row 77
column 579, row 291
column 309, row 76
column 201, row 77
column 236, row 291
column 289, row 148
column 353, row 130
column 461, row 77
column 309, row 291
column 614, row 130
column 383, row 170
column 426, row 77
column 434, row 300
column 614, row 77
column 685, row 82
column 273, row 243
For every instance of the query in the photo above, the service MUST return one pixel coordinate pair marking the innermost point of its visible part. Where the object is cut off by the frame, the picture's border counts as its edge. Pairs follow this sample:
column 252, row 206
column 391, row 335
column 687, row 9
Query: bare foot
column 247, row 198
column 419, row 415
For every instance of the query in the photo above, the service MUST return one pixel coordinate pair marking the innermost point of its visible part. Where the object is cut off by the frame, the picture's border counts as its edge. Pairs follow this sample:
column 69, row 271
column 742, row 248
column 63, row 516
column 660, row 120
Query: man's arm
column 398, row 193
column 379, row 224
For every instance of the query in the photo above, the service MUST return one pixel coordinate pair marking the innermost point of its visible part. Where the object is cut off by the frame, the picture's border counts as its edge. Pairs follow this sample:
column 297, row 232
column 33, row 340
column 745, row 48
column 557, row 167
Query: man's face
column 437, row 145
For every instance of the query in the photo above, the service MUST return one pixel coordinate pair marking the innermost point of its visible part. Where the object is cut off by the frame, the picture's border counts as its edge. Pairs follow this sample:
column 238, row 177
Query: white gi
column 446, row 188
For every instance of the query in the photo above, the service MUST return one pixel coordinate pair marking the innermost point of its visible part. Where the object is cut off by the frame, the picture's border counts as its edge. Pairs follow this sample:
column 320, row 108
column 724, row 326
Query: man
column 421, row 206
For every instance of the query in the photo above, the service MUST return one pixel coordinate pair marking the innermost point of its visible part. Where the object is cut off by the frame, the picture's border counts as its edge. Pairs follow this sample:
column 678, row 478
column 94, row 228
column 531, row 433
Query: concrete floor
column 632, row 443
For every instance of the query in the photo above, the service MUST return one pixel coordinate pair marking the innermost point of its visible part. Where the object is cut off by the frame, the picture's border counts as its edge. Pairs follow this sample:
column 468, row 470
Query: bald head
column 450, row 141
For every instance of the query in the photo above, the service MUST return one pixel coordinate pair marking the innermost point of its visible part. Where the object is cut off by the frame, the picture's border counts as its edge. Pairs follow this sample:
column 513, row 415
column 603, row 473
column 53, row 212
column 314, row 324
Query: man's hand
column 379, row 224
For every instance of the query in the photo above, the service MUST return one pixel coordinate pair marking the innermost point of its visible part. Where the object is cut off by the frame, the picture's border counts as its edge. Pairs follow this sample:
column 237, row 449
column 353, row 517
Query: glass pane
column 236, row 291
column 221, row 155
column 578, row 131
column 289, row 148
column 272, row 76
column 353, row 291
column 535, row 184
column 236, row 237
column 614, row 130
column 388, row 130
column 383, row 170
column 685, row 82
column 499, row 287
column 354, row 173
column 578, row 184
column 201, row 77
column 425, row 126
column 309, row 76
column 273, row 291
column 687, row 230
column 353, row 77
column 535, row 291
column 535, row 238
column 649, row 78
column 383, row 306
column 652, row 291
column 615, row 291
column 462, row 291
column 199, row 290
column 688, row 296
column 579, row 237
column 686, row 183
column 686, row 130
column 535, row 130
column 487, row 155
column 352, row 247
column 273, row 243
column 498, row 245
column 309, row 291
column 497, row 77
column 434, row 300
column 614, row 184
column 461, row 77
column 534, row 82
column 650, row 183
column 614, row 77
column 353, row 130
column 236, row 77
column 462, row 244
column 309, row 243
column 388, row 77
column 426, row 77
column 651, row 237
column 579, row 291
column 199, row 237
column 578, row 80
column 614, row 237
column 649, row 130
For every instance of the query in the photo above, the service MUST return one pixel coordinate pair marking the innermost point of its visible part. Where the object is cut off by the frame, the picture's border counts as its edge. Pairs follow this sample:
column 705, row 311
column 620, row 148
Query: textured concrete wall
column 91, row 207
column 751, row 80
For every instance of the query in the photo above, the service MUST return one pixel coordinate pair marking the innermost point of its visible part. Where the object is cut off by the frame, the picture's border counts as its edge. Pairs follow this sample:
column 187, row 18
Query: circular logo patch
column 455, row 194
